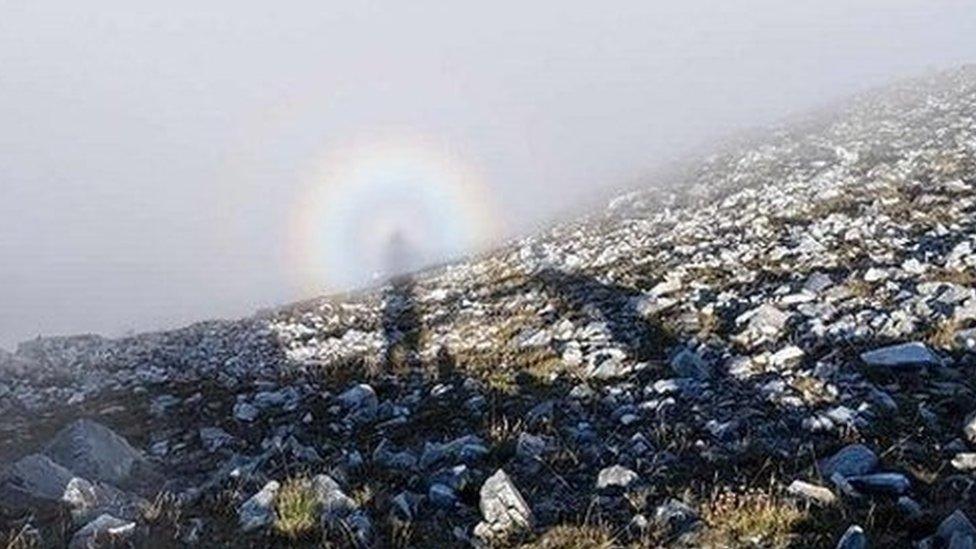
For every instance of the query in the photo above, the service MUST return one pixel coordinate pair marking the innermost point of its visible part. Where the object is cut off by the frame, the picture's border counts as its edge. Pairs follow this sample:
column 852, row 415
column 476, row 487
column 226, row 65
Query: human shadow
column 402, row 324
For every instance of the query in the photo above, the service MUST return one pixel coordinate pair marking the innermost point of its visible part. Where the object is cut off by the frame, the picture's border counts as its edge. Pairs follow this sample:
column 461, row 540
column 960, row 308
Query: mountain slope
column 657, row 373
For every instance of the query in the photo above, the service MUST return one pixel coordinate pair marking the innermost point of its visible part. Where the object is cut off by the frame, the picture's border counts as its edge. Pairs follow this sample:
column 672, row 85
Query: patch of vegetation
column 751, row 517
column 296, row 509
column 943, row 334
column 576, row 536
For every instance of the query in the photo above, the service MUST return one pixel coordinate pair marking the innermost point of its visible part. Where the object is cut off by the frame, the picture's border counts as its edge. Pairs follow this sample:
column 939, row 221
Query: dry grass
column 812, row 390
column 952, row 276
column 363, row 495
column 21, row 538
column 576, row 536
column 943, row 334
column 501, row 430
column 296, row 509
column 401, row 534
column 165, row 508
column 859, row 287
column 752, row 517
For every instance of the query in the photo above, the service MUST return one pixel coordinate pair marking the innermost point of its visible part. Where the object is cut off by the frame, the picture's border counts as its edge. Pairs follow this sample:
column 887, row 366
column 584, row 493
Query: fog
column 161, row 165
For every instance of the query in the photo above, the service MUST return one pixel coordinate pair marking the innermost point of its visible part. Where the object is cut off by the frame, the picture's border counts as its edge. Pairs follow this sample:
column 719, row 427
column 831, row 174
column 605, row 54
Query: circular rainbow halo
column 363, row 200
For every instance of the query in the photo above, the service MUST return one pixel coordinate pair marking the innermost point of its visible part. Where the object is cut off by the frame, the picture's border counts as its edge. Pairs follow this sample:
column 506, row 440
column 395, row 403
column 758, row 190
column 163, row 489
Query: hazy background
column 151, row 157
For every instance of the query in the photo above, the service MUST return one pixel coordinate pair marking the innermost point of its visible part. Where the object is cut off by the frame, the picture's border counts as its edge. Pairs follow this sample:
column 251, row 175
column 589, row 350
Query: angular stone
column 615, row 476
column 34, row 479
column 903, row 355
column 104, row 531
column 956, row 527
column 502, row 507
column 361, row 403
column 335, row 504
column 213, row 438
column 529, row 446
column 93, row 451
column 851, row 460
column 881, row 483
column 853, row 538
column 676, row 517
column 245, row 412
column 466, row 449
column 965, row 461
column 969, row 428
column 258, row 511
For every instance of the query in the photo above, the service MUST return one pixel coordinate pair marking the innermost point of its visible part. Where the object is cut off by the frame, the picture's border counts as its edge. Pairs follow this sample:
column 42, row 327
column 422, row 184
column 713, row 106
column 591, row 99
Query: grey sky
column 151, row 154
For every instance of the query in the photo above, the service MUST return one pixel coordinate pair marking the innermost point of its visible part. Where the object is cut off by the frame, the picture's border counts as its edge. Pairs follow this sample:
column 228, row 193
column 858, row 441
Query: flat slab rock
column 901, row 356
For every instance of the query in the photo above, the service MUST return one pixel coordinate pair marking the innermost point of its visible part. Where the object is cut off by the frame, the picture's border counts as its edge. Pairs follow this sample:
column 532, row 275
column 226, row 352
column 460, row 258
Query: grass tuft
column 753, row 518
column 576, row 536
column 296, row 509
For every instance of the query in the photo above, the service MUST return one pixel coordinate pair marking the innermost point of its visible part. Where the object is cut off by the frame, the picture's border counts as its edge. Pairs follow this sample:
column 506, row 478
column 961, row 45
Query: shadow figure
column 402, row 325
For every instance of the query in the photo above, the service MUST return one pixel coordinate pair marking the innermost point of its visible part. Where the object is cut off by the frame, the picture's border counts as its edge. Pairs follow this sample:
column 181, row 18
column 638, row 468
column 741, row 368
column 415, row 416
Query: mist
column 154, row 160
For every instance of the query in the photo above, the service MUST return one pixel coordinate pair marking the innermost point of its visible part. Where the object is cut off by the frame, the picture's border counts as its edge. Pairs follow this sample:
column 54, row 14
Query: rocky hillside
column 775, row 348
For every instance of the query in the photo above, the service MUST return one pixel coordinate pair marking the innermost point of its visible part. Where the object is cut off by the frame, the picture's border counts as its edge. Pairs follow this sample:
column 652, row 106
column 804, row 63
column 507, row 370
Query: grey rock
column 853, row 538
column 441, row 496
column 903, row 355
column 34, row 479
column 676, row 517
column 258, row 511
column 909, row 507
column 880, row 483
column 385, row 456
column 104, row 531
column 406, row 505
column 956, row 529
column 965, row 461
column 286, row 398
column 246, row 412
column 816, row 283
column 335, row 504
column 466, row 449
column 812, row 492
column 851, row 460
column 361, row 403
column 93, row 451
column 615, row 476
column 969, row 428
column 529, row 446
column 688, row 364
column 609, row 364
column 161, row 404
column 213, row 438
column 502, row 508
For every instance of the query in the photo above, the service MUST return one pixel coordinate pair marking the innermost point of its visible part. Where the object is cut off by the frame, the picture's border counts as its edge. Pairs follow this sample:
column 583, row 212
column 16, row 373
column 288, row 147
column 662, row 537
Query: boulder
column 502, row 507
column 93, row 451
